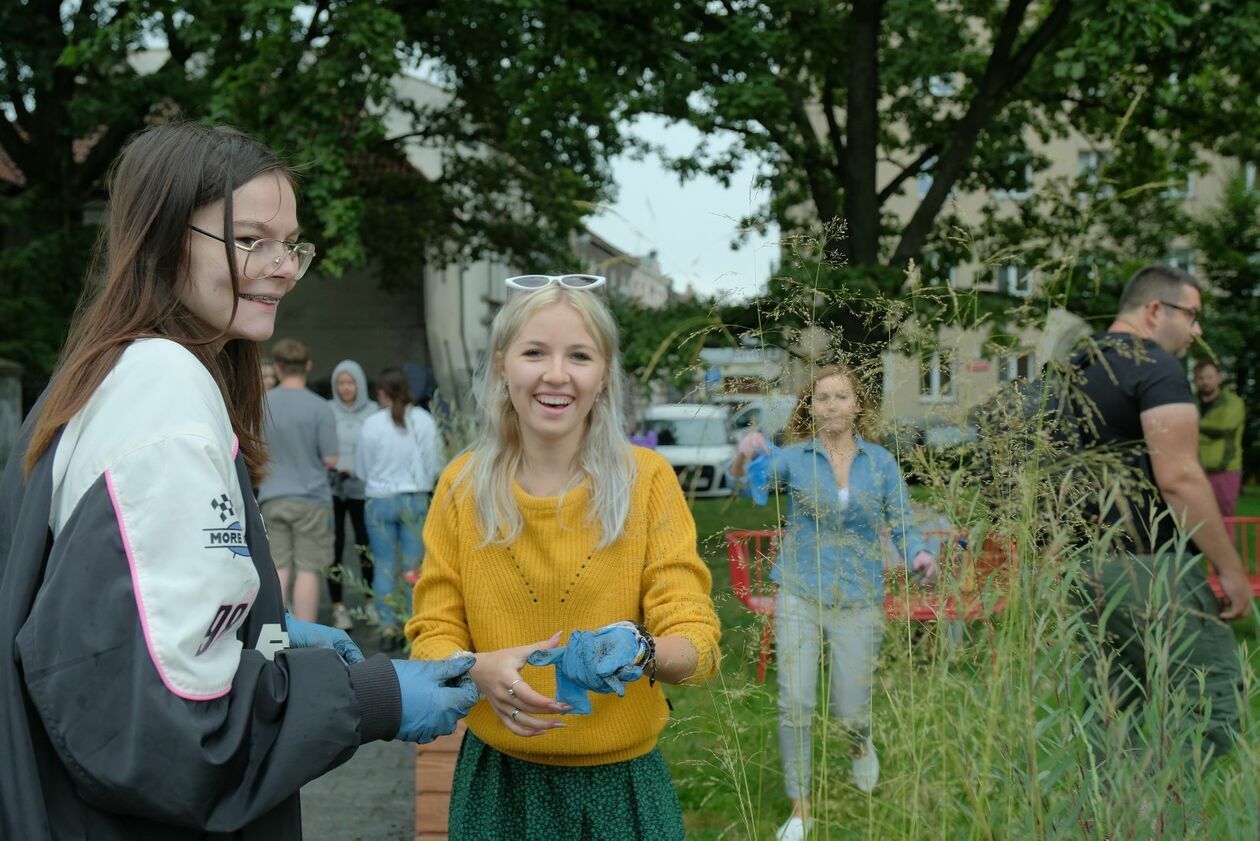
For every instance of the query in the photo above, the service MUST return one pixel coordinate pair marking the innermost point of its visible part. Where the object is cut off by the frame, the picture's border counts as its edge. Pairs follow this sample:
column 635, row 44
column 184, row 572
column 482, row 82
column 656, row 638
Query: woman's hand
column 498, row 677
column 924, row 566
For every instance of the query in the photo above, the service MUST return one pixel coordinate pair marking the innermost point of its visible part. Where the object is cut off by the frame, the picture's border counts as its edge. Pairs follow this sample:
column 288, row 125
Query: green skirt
column 498, row 798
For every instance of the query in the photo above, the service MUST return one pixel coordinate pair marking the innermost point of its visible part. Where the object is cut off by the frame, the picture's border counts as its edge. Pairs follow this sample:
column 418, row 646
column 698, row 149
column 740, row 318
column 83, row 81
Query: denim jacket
column 831, row 552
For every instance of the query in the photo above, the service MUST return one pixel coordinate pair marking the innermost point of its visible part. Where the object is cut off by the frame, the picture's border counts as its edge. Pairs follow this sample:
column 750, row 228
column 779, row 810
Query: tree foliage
column 1228, row 237
column 521, row 150
column 847, row 105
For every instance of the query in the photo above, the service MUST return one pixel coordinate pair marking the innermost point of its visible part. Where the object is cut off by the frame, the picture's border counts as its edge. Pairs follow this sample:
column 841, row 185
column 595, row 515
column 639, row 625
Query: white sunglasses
column 532, row 282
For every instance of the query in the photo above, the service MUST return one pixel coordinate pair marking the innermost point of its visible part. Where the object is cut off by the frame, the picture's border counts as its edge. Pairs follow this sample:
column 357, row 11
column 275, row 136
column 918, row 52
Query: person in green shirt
column 1221, row 416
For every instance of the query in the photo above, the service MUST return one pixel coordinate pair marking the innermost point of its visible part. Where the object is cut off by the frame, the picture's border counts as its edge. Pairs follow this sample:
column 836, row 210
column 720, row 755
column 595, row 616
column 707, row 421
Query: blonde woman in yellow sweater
column 552, row 540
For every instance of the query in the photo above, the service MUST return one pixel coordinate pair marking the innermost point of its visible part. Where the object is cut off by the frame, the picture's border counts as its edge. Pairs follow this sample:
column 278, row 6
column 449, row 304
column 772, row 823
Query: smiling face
column 262, row 208
column 834, row 405
column 554, row 371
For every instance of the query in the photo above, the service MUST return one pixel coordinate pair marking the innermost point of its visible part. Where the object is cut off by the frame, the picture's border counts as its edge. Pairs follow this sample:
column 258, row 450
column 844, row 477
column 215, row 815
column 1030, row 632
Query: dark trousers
column 1156, row 632
column 353, row 507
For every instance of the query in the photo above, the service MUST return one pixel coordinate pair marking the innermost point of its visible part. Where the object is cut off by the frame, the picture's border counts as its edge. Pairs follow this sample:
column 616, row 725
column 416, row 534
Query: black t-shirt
column 1120, row 377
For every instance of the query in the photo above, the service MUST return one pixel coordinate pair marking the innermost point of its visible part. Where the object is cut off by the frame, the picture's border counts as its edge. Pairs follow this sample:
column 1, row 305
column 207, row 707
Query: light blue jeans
column 853, row 636
column 395, row 527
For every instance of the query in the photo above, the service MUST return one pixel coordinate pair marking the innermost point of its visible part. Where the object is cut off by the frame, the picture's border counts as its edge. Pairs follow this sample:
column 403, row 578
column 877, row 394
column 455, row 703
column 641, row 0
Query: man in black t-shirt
column 1138, row 405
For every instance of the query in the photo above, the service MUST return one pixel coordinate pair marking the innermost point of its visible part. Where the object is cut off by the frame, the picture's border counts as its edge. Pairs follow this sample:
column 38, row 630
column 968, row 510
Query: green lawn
column 722, row 745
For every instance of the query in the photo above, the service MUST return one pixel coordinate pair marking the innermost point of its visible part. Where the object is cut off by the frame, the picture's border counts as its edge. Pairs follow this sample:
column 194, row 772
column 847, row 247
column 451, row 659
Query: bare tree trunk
column 861, row 195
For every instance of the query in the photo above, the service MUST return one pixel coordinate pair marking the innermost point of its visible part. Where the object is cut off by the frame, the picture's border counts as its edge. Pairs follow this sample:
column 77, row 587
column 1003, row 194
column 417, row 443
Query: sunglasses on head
column 531, row 282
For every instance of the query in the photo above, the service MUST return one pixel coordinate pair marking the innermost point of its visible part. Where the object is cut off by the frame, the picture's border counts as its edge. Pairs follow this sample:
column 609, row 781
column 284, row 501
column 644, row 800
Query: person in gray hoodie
column 351, row 406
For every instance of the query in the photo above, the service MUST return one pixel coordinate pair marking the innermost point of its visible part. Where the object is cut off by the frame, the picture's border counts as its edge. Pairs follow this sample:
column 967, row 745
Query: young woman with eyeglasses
column 565, row 560
column 152, row 684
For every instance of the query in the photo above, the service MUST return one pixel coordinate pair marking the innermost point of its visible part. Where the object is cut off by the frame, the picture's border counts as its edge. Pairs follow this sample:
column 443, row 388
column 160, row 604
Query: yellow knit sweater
column 484, row 598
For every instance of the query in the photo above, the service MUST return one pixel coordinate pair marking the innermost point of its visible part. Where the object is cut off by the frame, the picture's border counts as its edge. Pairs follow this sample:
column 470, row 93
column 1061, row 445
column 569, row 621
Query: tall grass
column 997, row 729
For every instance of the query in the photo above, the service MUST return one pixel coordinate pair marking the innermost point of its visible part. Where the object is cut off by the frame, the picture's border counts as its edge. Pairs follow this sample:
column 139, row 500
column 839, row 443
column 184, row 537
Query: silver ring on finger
column 515, row 713
column 511, row 689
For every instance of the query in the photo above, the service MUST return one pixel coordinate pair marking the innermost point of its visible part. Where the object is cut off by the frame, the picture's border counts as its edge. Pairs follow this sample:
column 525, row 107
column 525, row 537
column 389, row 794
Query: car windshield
column 689, row 432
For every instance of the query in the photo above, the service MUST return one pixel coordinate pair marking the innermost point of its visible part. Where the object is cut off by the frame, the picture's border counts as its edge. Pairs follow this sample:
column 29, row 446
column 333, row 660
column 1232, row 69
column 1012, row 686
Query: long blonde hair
column 604, row 459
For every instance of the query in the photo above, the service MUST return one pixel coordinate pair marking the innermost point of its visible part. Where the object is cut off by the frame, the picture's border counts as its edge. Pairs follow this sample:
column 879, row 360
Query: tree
column 824, row 93
column 315, row 81
column 1228, row 238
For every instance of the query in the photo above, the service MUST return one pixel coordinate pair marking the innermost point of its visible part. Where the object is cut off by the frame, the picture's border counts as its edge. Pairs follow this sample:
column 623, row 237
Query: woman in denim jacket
column 842, row 492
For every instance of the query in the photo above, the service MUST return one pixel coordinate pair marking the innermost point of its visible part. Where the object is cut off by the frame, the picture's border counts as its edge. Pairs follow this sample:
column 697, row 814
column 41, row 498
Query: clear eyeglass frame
column 264, row 255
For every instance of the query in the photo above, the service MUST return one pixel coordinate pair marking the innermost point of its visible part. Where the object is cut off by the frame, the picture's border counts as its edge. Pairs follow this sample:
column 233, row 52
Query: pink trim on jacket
column 144, row 620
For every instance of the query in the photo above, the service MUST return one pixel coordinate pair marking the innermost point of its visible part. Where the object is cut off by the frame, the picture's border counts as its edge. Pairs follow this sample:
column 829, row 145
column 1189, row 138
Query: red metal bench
column 971, row 585
column 1246, row 534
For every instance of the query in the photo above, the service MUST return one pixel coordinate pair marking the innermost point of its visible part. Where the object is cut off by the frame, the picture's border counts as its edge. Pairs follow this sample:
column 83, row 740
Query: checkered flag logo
column 223, row 506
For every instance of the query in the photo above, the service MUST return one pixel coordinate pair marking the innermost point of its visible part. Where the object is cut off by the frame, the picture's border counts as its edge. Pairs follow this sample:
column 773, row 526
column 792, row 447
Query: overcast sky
column 690, row 226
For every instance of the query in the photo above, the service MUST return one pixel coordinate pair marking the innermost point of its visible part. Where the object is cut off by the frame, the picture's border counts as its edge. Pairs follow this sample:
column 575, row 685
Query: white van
column 697, row 440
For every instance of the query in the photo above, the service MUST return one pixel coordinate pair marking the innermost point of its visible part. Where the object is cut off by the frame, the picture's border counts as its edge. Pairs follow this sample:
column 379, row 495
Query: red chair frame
column 970, row 598
column 1246, row 534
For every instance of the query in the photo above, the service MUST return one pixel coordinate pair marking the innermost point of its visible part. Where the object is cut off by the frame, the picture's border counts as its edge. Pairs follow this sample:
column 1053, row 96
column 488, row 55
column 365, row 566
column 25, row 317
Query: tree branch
column 909, row 171
column 833, row 127
column 1002, row 73
column 315, row 30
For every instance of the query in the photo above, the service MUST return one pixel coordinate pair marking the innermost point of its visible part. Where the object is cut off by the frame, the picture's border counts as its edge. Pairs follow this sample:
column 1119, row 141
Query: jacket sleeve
column 131, row 654
column 438, row 626
column 677, row 585
column 899, row 514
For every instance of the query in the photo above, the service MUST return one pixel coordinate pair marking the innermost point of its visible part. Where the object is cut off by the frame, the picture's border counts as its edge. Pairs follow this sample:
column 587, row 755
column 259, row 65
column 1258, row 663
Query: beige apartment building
column 945, row 383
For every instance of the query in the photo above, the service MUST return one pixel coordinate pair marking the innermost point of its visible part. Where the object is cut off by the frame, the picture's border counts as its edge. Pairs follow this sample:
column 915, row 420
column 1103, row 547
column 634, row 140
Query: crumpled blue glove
column 309, row 635
column 759, row 474
column 600, row 661
column 436, row 694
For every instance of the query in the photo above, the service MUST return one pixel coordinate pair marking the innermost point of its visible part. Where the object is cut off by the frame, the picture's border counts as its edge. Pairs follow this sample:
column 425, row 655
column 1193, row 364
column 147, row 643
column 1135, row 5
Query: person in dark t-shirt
column 1134, row 400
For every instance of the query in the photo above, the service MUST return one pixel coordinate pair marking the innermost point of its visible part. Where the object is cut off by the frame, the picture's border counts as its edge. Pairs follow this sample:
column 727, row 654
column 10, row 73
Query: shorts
column 300, row 533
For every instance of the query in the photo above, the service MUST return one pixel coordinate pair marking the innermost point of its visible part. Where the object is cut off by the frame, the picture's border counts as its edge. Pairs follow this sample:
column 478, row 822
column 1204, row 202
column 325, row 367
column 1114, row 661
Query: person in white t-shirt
column 399, row 457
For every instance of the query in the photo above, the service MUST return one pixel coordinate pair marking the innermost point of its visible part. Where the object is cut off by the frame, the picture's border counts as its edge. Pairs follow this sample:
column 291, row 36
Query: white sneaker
column 793, row 829
column 866, row 768
column 373, row 618
column 341, row 618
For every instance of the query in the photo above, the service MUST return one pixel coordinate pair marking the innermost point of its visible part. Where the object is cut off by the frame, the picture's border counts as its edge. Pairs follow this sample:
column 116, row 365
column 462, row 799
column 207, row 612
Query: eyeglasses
column 1194, row 312
column 264, row 256
column 531, row 282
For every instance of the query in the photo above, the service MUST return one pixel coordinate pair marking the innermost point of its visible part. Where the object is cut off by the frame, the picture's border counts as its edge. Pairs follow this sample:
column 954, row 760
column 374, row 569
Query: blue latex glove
column 594, row 661
column 309, row 635
column 760, row 479
column 436, row 694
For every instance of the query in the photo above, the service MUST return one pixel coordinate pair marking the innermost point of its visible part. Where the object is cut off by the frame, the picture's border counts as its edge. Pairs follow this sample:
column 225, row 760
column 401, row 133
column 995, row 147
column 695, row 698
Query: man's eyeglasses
column 264, row 256
column 531, row 282
column 1194, row 312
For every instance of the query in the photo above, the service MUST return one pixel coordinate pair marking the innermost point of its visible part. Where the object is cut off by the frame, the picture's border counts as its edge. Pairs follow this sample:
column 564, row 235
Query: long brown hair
column 164, row 174
column 394, row 383
column 800, row 426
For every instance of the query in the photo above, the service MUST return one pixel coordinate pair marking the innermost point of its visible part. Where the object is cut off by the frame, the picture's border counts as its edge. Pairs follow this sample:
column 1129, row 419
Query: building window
column 936, row 272
column 936, row 377
column 1014, row 279
column 924, row 179
column 1181, row 188
column 940, row 86
column 1181, row 258
column 1020, row 365
column 1089, row 165
column 1249, row 175
column 1016, row 182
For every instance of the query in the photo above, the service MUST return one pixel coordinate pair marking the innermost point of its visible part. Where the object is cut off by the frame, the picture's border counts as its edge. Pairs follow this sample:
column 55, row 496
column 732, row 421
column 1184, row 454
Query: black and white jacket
column 147, row 690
